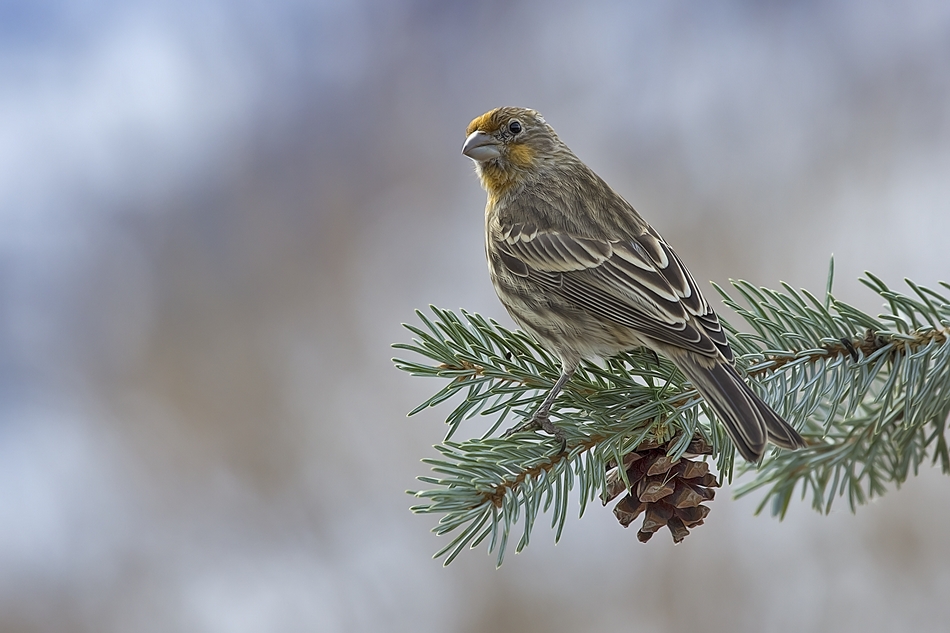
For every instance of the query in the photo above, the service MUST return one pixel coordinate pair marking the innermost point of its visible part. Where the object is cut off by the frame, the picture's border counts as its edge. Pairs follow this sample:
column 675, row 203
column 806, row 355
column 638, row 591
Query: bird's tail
column 748, row 420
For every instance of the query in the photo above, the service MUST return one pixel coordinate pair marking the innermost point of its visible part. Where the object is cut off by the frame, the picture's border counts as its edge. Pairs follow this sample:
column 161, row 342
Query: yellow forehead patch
column 483, row 123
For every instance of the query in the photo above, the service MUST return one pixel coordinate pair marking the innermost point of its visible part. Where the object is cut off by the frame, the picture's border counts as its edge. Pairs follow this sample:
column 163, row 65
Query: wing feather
column 638, row 283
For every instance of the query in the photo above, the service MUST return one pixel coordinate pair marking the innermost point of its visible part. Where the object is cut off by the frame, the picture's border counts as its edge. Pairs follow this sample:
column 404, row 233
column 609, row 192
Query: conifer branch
column 871, row 396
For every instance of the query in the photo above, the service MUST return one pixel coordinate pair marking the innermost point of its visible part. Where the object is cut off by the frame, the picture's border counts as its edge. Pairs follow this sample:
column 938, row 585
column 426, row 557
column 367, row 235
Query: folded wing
column 637, row 282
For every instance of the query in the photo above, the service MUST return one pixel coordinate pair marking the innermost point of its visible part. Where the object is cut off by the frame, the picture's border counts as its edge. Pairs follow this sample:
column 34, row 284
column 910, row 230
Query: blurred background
column 215, row 215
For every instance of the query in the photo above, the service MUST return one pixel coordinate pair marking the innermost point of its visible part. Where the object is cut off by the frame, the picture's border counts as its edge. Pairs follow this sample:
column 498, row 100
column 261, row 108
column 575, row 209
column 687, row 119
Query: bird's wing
column 637, row 282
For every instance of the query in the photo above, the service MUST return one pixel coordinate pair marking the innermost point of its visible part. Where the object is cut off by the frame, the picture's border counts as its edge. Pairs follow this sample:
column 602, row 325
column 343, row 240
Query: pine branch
column 871, row 396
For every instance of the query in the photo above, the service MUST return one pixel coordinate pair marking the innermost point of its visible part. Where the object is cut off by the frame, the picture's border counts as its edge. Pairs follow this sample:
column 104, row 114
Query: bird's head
column 509, row 146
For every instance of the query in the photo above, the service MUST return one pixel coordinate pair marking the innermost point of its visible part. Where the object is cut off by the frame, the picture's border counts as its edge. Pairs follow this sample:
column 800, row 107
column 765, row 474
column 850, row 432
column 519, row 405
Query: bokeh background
column 214, row 216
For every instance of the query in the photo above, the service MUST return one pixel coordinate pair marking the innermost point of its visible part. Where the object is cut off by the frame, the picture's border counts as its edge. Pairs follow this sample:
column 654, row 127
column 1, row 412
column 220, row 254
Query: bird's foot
column 543, row 422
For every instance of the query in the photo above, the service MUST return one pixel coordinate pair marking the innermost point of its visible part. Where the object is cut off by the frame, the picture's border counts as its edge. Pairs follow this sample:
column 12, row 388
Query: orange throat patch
column 499, row 177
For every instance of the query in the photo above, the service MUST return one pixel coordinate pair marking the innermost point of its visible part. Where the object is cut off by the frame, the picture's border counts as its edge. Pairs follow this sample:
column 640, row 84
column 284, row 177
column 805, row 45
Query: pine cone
column 668, row 492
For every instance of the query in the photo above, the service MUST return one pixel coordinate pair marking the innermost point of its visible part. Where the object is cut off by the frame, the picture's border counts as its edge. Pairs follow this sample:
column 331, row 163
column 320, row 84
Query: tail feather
column 748, row 420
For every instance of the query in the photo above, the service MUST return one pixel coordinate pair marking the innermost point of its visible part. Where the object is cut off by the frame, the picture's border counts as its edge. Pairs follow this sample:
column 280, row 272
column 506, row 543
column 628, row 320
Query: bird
column 585, row 275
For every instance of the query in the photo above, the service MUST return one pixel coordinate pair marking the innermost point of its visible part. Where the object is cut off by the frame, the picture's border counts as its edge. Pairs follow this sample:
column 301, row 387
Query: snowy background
column 214, row 216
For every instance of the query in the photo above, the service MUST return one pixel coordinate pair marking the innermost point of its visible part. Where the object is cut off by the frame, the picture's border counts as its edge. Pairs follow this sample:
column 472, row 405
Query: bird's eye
column 514, row 127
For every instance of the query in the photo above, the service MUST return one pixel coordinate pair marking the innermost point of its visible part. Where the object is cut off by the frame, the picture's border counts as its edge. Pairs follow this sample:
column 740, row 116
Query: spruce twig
column 871, row 396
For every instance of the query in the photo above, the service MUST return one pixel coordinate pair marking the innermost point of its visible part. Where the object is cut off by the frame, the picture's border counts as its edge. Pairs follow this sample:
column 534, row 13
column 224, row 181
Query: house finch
column 578, row 268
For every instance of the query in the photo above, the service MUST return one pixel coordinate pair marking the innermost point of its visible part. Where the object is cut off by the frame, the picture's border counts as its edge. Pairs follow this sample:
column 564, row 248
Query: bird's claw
column 542, row 422
column 656, row 357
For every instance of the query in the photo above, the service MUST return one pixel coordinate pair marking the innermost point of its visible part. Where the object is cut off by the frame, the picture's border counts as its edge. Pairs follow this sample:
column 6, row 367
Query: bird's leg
column 656, row 357
column 540, row 419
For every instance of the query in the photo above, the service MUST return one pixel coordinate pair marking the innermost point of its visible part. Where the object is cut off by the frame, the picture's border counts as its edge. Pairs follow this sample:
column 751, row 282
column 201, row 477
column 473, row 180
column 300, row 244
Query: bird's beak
column 481, row 147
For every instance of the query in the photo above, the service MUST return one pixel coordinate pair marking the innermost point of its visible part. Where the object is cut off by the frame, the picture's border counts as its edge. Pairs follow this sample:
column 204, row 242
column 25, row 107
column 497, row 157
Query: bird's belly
column 562, row 327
